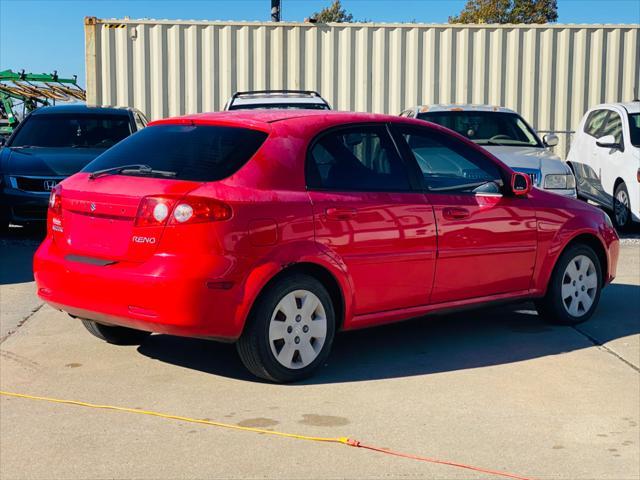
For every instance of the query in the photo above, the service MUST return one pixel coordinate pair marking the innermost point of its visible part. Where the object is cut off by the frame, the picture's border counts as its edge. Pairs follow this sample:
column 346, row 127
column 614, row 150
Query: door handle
column 455, row 213
column 337, row 213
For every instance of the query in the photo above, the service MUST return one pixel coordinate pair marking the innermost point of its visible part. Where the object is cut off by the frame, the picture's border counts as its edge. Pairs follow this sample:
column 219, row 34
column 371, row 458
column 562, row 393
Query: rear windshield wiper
column 138, row 169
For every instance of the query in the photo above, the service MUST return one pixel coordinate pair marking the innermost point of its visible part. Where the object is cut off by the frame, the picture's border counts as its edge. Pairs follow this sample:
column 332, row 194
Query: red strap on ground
column 357, row 444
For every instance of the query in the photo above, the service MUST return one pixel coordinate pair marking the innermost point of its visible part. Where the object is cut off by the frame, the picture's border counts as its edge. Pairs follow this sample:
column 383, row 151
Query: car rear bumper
column 165, row 294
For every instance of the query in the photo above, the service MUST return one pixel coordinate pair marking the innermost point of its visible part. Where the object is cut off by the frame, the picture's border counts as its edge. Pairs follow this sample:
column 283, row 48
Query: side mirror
column 3, row 140
column 608, row 141
column 550, row 140
column 520, row 184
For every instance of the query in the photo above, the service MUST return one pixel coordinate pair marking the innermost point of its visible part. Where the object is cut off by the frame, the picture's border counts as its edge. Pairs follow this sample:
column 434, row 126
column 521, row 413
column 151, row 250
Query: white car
column 605, row 157
column 305, row 99
column 506, row 135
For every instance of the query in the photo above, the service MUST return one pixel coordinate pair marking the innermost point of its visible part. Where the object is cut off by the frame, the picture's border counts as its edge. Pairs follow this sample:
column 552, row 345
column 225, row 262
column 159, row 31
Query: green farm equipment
column 28, row 91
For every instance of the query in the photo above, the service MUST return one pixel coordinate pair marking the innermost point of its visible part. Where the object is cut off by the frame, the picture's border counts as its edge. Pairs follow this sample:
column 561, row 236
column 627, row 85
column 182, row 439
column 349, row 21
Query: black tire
column 115, row 335
column 623, row 225
column 254, row 345
column 553, row 307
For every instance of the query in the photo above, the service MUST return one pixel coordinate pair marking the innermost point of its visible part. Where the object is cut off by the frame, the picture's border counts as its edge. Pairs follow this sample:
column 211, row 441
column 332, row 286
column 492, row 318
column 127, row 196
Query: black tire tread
column 115, row 335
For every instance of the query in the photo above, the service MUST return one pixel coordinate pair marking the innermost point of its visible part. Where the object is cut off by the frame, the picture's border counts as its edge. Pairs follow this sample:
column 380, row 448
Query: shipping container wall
column 551, row 74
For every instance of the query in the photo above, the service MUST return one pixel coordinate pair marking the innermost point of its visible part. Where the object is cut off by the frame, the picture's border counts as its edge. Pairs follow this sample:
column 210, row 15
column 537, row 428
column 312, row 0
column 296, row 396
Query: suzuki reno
column 276, row 229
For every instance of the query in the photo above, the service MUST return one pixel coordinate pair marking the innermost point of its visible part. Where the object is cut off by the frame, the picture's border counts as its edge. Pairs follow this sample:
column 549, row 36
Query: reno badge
column 147, row 240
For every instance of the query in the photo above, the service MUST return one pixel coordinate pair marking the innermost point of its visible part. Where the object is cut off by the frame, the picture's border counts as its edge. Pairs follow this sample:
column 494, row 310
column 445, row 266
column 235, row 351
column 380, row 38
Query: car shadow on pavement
column 17, row 247
column 434, row 344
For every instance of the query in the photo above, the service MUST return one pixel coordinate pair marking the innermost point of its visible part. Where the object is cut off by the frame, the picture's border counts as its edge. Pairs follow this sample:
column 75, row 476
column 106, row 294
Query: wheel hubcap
column 621, row 208
column 298, row 329
column 579, row 286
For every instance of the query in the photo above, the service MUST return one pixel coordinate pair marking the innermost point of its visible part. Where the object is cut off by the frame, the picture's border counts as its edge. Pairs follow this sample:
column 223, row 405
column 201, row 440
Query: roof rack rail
column 310, row 93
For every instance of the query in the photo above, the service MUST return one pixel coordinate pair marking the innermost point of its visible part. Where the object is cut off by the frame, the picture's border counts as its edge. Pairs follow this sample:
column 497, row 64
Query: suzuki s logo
column 92, row 207
column 49, row 185
column 147, row 240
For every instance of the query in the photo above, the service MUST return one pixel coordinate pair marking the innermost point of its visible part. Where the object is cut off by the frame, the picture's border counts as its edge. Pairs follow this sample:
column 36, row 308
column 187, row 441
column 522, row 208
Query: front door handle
column 455, row 213
column 338, row 213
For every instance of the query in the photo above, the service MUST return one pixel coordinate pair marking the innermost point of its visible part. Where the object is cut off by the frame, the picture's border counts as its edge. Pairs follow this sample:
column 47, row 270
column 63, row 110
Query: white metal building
column 551, row 73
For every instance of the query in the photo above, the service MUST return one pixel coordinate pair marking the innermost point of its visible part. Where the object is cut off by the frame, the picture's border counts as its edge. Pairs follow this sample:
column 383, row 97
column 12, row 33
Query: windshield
column 486, row 128
column 72, row 130
column 634, row 129
column 190, row 152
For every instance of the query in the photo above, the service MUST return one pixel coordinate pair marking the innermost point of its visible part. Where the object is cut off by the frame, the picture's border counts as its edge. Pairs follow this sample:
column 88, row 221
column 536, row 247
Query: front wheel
column 290, row 330
column 115, row 335
column 574, row 289
column 621, row 207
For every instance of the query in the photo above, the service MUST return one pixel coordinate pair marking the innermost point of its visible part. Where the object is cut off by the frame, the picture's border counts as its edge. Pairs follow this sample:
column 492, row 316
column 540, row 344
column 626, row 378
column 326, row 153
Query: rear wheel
column 115, row 335
column 574, row 289
column 290, row 331
column 621, row 207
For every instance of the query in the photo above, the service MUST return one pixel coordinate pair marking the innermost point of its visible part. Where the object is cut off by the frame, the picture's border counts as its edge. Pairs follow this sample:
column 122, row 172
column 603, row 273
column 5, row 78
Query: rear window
column 72, row 131
column 194, row 152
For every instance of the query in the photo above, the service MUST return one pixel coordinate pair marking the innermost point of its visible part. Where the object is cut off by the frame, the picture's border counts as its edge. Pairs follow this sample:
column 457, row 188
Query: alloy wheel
column 621, row 207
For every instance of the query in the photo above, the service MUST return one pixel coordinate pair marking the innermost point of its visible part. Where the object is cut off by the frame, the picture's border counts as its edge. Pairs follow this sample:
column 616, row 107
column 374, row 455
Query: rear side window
column 360, row 158
column 594, row 122
column 194, row 152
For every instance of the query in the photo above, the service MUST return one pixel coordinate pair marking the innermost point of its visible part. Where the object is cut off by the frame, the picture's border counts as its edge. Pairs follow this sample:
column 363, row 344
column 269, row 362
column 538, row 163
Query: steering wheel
column 501, row 136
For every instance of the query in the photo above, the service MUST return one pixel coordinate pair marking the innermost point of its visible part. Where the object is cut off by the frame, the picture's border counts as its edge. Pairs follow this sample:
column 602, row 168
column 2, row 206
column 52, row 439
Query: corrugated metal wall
column 551, row 74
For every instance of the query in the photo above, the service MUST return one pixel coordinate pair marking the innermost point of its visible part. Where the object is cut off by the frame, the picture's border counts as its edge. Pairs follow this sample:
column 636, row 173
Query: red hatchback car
column 275, row 229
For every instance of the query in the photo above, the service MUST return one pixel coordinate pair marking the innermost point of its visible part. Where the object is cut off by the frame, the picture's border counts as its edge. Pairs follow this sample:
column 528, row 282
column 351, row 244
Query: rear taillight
column 158, row 210
column 55, row 200
column 54, row 218
column 154, row 211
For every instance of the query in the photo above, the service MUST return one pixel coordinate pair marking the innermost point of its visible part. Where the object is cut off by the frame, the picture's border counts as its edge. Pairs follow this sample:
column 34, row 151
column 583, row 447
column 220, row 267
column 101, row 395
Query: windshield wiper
column 137, row 168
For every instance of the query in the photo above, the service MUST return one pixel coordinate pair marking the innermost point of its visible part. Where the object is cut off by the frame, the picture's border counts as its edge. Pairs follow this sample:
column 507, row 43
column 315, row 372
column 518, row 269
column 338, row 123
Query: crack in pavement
column 602, row 346
column 22, row 322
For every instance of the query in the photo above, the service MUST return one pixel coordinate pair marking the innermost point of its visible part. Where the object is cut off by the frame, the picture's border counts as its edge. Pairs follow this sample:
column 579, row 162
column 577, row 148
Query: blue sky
column 46, row 35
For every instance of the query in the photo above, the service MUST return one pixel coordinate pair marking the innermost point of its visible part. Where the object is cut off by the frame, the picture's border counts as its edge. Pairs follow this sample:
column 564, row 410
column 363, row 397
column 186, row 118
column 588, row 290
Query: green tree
column 507, row 11
column 332, row 13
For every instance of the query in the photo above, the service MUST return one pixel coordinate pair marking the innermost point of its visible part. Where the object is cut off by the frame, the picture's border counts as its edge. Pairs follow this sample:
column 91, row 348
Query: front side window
column 357, row 158
column 486, row 128
column 612, row 126
column 72, row 131
column 594, row 122
column 634, row 129
column 450, row 166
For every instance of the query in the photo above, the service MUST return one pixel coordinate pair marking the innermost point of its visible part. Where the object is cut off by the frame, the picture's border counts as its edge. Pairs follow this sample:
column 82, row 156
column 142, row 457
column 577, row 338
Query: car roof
column 263, row 118
column 81, row 108
column 462, row 107
column 631, row 107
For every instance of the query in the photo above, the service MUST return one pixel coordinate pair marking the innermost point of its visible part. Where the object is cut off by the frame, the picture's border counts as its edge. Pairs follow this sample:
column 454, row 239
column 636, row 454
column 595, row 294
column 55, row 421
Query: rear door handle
column 338, row 213
column 455, row 213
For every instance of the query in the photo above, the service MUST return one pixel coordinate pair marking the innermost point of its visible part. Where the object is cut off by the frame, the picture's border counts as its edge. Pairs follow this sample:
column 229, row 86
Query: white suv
column 506, row 135
column 605, row 157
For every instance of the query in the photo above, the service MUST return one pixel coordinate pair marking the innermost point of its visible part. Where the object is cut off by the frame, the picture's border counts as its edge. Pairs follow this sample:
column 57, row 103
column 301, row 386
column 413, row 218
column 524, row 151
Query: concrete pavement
column 495, row 388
